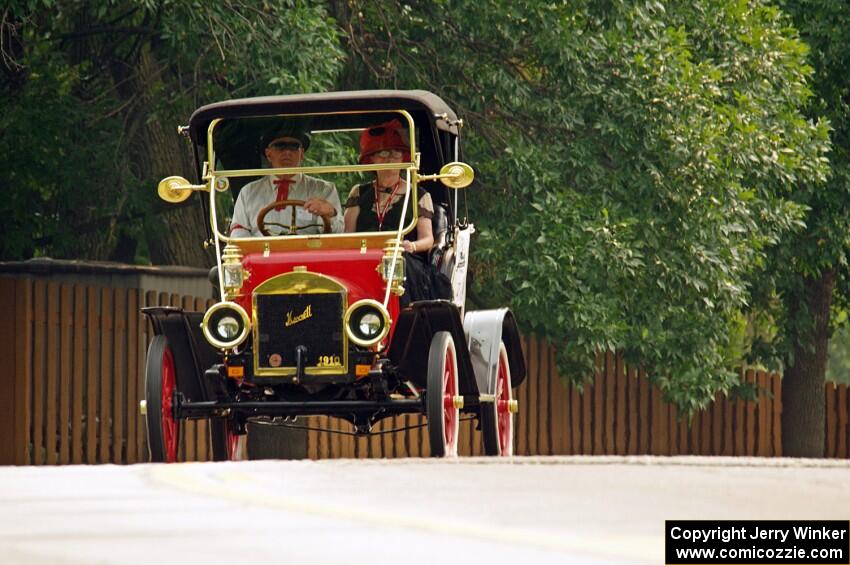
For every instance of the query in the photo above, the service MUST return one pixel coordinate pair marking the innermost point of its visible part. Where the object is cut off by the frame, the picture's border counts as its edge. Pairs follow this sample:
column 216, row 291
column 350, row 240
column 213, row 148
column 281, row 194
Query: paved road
column 592, row 510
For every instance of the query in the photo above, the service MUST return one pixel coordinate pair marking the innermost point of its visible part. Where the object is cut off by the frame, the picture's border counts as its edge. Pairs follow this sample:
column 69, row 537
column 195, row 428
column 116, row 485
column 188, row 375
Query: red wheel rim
column 450, row 413
column 503, row 411
column 169, row 424
column 232, row 440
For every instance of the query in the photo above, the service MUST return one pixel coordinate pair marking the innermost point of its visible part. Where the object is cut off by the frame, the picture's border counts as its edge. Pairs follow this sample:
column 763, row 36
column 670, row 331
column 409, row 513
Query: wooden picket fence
column 72, row 376
column 619, row 413
column 837, row 436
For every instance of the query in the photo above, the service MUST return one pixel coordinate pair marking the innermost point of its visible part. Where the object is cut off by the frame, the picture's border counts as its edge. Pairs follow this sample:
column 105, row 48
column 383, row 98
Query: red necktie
column 282, row 189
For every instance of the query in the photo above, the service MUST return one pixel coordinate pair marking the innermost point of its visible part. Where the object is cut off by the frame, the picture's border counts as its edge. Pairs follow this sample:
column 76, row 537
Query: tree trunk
column 182, row 237
column 803, row 415
column 158, row 152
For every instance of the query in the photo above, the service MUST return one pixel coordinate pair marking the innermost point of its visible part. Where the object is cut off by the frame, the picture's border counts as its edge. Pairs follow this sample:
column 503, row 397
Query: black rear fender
column 485, row 331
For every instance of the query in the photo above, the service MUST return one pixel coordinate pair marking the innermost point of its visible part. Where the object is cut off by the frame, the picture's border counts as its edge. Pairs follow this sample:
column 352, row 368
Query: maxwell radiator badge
column 292, row 320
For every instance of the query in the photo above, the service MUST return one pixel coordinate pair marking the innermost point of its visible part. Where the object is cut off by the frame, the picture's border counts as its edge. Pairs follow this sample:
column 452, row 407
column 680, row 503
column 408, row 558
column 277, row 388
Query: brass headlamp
column 233, row 272
column 392, row 266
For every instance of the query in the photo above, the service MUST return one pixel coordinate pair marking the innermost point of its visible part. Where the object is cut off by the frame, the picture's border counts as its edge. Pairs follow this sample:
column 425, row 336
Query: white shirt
column 258, row 194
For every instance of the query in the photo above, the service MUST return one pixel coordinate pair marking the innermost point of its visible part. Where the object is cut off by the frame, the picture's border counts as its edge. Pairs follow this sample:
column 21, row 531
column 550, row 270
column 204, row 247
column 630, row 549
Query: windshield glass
column 316, row 174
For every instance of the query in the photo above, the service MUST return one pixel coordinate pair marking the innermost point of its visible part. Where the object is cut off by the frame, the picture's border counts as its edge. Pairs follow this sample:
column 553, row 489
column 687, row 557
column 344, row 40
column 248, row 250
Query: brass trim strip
column 299, row 282
column 316, row 169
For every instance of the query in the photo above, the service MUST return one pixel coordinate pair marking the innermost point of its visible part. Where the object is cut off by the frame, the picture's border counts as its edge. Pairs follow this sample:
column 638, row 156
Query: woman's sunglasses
column 387, row 153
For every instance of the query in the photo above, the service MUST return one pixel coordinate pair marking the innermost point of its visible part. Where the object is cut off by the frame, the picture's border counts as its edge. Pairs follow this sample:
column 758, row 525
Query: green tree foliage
column 643, row 166
column 47, row 163
column 636, row 161
column 93, row 91
column 805, row 281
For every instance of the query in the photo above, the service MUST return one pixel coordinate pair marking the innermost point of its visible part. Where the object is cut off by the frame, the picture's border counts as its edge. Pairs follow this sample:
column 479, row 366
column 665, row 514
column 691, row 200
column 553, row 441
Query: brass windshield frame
column 353, row 239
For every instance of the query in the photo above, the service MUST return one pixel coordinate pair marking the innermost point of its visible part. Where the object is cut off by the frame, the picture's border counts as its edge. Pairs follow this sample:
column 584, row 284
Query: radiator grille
column 285, row 321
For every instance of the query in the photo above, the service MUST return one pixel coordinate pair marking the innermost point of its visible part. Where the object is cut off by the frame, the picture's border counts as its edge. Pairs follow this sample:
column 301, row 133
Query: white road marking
column 234, row 485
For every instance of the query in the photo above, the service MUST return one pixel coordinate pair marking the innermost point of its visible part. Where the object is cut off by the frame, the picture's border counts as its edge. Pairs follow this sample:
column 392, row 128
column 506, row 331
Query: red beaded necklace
column 378, row 210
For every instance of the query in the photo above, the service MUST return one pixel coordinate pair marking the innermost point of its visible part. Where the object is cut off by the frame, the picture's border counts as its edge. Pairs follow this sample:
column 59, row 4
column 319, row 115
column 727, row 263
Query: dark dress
column 419, row 275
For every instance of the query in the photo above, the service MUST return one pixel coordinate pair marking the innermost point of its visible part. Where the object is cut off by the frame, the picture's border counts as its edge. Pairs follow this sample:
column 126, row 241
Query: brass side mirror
column 177, row 189
column 453, row 175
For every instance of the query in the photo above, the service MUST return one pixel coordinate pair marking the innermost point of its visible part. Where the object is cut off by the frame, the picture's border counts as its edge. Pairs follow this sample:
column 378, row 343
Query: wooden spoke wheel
column 443, row 415
column 497, row 420
column 160, row 389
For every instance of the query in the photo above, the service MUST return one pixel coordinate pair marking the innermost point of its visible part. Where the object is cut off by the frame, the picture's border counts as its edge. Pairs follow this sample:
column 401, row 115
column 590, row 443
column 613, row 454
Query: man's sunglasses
column 290, row 145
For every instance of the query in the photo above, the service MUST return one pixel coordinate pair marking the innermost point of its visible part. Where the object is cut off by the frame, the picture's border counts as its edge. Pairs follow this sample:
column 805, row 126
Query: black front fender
column 192, row 353
column 414, row 330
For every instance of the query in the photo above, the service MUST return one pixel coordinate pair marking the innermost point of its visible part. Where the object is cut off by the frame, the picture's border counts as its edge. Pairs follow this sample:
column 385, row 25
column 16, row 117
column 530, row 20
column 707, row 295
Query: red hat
column 388, row 135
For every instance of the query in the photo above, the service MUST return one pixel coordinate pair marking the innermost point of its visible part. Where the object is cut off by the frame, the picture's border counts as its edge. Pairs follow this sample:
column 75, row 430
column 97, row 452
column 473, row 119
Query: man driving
column 285, row 147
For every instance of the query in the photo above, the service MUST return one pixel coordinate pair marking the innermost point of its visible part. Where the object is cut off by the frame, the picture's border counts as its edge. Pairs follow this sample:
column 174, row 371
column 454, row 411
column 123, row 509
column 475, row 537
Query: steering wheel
column 293, row 227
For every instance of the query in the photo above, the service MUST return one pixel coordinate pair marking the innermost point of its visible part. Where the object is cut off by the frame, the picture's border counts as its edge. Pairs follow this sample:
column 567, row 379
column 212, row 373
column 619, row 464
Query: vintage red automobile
column 318, row 323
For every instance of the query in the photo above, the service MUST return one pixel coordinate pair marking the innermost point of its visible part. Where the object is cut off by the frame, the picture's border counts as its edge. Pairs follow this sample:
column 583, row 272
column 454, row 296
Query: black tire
column 497, row 421
column 160, row 389
column 443, row 417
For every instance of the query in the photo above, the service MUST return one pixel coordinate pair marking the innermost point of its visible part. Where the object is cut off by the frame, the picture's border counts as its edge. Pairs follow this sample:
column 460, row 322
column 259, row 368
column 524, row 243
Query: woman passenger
column 377, row 206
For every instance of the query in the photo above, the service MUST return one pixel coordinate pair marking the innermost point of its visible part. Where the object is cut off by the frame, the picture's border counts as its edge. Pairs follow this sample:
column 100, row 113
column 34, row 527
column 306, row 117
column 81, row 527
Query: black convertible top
column 425, row 107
